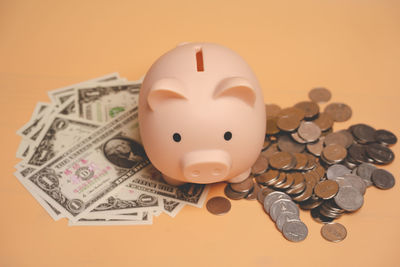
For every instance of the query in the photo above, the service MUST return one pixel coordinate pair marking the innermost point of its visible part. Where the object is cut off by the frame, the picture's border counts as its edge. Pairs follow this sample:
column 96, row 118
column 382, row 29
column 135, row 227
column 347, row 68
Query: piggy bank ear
column 236, row 87
column 164, row 90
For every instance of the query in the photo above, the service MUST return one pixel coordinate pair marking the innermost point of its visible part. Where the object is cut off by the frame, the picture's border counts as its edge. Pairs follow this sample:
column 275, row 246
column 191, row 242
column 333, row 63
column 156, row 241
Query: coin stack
column 285, row 213
column 321, row 170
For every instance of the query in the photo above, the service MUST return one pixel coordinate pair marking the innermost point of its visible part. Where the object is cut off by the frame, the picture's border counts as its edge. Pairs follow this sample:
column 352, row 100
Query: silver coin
column 357, row 182
column 284, row 217
column 309, row 131
column 351, row 181
column 282, row 205
column 337, row 170
column 272, row 197
column 383, row 179
column 295, row 231
column 349, row 198
column 364, row 170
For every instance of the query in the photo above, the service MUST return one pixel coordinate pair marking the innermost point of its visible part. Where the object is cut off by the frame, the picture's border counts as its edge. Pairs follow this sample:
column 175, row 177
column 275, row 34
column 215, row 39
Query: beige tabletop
column 351, row 47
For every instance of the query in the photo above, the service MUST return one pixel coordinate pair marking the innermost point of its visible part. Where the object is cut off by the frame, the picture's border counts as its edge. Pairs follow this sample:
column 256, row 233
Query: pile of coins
column 323, row 171
column 285, row 213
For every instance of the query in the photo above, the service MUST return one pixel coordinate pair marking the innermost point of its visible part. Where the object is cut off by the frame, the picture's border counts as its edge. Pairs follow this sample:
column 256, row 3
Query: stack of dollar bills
column 82, row 158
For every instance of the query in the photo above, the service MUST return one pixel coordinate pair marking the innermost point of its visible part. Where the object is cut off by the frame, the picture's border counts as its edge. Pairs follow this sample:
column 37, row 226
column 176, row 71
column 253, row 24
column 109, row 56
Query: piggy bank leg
column 172, row 181
column 241, row 177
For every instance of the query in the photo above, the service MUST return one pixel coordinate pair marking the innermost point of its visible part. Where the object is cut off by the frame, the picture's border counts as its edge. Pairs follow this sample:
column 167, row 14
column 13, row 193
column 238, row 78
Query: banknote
column 69, row 108
column 157, row 212
column 150, row 180
column 34, row 121
column 105, row 216
column 47, row 115
column 53, row 212
column 126, row 200
column 102, row 102
column 59, row 132
column 171, row 207
column 23, row 170
column 58, row 96
column 93, row 169
column 23, row 148
column 143, row 219
column 79, row 178
column 33, row 125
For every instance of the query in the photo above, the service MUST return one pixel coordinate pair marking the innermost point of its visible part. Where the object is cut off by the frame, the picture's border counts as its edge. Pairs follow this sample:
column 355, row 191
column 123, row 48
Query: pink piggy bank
column 202, row 115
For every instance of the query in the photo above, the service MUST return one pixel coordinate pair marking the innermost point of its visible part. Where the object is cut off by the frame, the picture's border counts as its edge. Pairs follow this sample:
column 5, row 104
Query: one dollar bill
column 76, row 180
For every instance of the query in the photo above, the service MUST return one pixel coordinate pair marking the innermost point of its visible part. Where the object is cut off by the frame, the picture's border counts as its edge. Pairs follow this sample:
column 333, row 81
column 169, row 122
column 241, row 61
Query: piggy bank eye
column 176, row 137
column 227, row 136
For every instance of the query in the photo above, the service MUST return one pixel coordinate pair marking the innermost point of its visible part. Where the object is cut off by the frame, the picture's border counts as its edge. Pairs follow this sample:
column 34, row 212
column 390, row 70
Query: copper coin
column 348, row 136
column 272, row 127
column 320, row 94
column 334, row 153
column 272, row 110
column 288, row 183
column 268, row 177
column 253, row 193
column 311, row 178
column 311, row 109
column 280, row 181
column 301, row 161
column 320, row 170
column 266, row 144
column 324, row 121
column 287, row 144
column 316, row 147
column 305, row 195
column 243, row 187
column 326, row 189
column 312, row 162
column 338, row 138
column 298, row 190
column 298, row 183
column 334, row 232
column 281, row 160
column 233, row 194
column 218, row 205
column 310, row 204
column 338, row 111
column 272, row 149
column 260, row 166
column 296, row 137
column 288, row 123
column 292, row 112
column 298, row 178
column 325, row 133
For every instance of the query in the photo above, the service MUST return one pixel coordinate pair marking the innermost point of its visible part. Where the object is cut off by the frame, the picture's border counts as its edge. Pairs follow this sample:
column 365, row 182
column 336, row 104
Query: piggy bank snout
column 206, row 166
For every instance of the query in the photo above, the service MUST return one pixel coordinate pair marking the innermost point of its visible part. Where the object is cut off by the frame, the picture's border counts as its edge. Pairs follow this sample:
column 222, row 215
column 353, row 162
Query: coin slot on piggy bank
column 199, row 59
column 201, row 124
